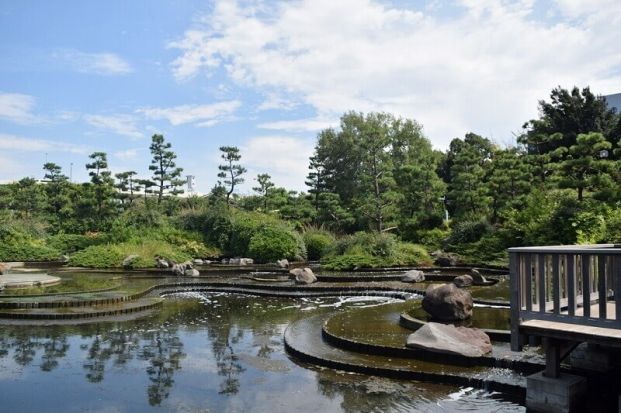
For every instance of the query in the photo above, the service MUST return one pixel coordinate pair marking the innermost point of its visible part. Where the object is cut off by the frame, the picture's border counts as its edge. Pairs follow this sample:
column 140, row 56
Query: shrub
column 433, row 239
column 112, row 255
column 372, row 250
column 317, row 241
column 32, row 250
column 271, row 243
column 469, row 231
column 70, row 243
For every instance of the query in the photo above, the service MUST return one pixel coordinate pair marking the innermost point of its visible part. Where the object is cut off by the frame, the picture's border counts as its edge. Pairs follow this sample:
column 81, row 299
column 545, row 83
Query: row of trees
column 91, row 206
column 379, row 172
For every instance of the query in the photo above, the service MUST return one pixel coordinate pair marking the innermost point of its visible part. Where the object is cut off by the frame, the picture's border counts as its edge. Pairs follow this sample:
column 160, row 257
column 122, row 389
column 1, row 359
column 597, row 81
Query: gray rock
column 447, row 302
column 241, row 261
column 413, row 276
column 446, row 338
column 477, row 278
column 191, row 272
column 64, row 258
column 180, row 269
column 284, row 263
column 4, row 268
column 302, row 275
column 463, row 281
column 446, row 259
column 198, row 261
column 128, row 262
column 161, row 263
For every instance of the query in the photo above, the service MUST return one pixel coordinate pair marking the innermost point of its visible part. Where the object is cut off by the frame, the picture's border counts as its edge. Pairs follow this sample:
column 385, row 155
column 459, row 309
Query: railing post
column 601, row 286
column 541, row 268
column 556, row 282
column 571, row 284
column 515, row 274
column 586, row 285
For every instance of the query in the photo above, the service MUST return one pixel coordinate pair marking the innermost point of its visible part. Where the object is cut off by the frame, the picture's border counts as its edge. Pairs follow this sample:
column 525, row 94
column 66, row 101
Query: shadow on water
column 200, row 352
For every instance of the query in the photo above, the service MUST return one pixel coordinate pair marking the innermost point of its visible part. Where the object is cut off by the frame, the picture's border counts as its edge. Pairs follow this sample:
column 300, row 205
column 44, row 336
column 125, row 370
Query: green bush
column 270, row 243
column 112, row 255
column 70, row 243
column 28, row 251
column 317, row 241
column 372, row 250
column 433, row 239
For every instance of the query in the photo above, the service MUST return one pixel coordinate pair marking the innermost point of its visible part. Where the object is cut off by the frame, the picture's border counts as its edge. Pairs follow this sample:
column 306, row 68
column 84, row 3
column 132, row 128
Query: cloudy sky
column 84, row 76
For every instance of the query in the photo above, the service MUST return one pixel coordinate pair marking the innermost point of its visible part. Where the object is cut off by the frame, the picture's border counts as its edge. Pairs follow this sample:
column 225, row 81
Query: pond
column 203, row 352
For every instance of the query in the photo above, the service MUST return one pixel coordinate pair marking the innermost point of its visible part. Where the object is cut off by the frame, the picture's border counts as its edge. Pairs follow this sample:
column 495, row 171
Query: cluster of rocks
column 238, row 261
column 445, row 259
column 184, row 269
column 302, row 275
column 449, row 303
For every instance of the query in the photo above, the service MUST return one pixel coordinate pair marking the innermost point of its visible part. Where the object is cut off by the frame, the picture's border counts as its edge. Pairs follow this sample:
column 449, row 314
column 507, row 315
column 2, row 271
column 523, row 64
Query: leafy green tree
column 265, row 184
column 127, row 186
column 468, row 197
column 585, row 165
column 166, row 174
column 509, row 181
column 103, row 187
column 26, row 197
column 571, row 113
column 231, row 172
column 60, row 205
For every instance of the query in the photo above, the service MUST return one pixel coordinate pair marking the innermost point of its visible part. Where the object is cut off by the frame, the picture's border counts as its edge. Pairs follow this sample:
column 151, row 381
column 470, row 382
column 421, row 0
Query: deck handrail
column 551, row 283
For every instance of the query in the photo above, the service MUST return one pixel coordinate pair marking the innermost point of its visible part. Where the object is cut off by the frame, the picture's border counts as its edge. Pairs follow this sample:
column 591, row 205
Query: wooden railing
column 567, row 284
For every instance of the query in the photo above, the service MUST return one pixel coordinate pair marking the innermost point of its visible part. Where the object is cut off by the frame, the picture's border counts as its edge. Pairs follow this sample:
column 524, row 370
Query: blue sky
column 84, row 76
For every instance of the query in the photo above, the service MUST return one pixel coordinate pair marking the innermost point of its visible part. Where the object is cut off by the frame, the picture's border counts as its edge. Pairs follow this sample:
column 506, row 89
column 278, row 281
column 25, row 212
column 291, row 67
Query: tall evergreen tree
column 265, row 184
column 103, row 186
column 126, row 186
column 166, row 174
column 509, row 181
column 231, row 172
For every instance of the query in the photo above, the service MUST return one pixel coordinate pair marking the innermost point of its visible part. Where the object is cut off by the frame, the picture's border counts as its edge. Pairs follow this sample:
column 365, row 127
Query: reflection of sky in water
column 201, row 353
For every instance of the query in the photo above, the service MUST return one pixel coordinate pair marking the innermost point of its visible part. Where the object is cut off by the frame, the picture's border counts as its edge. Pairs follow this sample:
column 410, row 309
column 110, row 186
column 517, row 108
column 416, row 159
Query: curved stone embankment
column 376, row 330
column 303, row 339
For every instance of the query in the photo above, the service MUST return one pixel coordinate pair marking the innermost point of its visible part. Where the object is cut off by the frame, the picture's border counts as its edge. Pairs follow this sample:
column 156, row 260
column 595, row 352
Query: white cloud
column 483, row 69
column 20, row 143
column 300, row 125
column 16, row 107
column 284, row 158
column 96, row 63
column 127, row 154
column 121, row 124
column 205, row 115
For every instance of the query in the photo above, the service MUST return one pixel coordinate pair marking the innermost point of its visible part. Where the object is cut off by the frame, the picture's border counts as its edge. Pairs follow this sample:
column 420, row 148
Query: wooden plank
column 586, row 283
column 516, row 305
column 528, row 292
column 541, row 269
column 616, row 274
column 601, row 286
column 564, row 331
column 571, row 284
column 556, row 284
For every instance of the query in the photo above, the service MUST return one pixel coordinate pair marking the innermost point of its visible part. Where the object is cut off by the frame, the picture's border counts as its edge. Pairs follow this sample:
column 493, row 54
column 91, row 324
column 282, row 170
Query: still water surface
column 207, row 352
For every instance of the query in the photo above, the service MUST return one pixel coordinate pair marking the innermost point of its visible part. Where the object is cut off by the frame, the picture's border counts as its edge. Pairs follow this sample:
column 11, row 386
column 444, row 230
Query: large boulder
column 302, row 275
column 447, row 302
column 413, row 276
column 198, row 261
column 284, row 263
column 446, row 338
column 445, row 259
column 463, row 281
column 181, row 269
column 128, row 262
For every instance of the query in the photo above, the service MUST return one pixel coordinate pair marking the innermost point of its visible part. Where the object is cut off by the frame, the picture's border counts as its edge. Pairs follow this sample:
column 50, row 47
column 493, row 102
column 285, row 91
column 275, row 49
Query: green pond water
column 204, row 352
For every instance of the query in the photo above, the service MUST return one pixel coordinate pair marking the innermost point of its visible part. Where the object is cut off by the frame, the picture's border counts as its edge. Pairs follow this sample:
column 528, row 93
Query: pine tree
column 231, row 172
column 265, row 184
column 166, row 175
column 103, row 187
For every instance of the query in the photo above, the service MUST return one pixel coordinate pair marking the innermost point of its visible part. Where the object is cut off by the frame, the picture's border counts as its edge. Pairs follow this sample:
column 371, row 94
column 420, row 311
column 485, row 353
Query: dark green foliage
column 70, row 243
column 271, row 243
column 166, row 175
column 317, row 241
column 372, row 250
column 231, row 172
